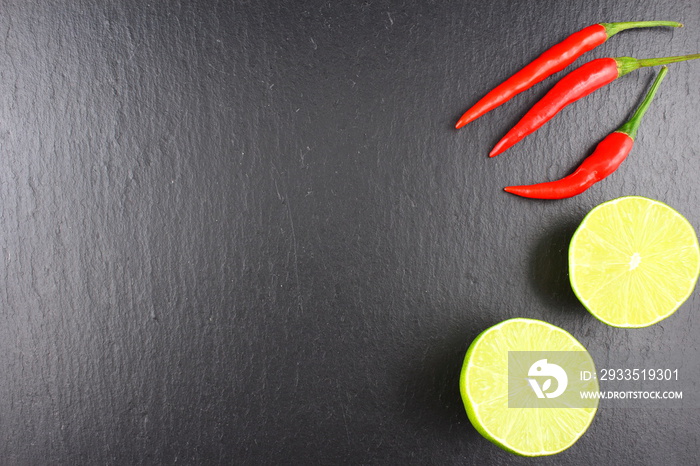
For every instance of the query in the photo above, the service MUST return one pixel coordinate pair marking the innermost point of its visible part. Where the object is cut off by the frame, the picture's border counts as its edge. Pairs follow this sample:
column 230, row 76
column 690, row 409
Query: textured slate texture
column 246, row 232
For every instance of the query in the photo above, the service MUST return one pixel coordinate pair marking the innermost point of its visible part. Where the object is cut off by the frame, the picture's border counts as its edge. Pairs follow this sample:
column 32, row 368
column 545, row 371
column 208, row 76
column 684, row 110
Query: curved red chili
column 552, row 61
column 574, row 86
column 607, row 156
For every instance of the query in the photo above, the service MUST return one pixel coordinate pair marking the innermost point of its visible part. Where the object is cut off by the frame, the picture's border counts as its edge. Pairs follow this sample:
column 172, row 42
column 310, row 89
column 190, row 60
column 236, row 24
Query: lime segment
column 633, row 261
column 485, row 383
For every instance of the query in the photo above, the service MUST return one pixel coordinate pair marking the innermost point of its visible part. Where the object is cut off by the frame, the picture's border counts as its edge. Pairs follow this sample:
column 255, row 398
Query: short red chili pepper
column 574, row 86
column 552, row 61
column 605, row 159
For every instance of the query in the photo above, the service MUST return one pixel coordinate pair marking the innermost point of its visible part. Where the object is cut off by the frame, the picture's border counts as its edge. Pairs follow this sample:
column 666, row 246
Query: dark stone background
column 247, row 232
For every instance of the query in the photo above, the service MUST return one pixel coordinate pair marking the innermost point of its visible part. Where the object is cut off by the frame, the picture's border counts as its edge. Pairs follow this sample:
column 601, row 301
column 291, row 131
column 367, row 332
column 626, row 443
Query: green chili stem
column 627, row 64
column 630, row 128
column 613, row 28
column 666, row 60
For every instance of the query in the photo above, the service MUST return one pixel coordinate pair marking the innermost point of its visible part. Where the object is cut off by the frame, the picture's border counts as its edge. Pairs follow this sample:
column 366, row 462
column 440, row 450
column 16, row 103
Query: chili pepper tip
column 498, row 148
column 522, row 191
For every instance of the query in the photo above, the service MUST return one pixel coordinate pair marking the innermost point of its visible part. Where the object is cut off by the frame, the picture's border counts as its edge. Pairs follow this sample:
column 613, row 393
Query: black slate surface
column 247, row 232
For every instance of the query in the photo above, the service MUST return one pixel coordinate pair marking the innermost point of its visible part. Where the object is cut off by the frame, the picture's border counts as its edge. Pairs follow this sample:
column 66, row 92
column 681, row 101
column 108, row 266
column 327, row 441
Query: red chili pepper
column 607, row 156
column 552, row 61
column 576, row 85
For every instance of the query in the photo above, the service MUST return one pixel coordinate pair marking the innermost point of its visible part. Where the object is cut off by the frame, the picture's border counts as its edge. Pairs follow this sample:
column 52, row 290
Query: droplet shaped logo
column 542, row 369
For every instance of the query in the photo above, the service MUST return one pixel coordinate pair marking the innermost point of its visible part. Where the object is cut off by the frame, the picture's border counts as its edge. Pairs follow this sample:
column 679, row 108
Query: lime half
column 488, row 390
column 633, row 261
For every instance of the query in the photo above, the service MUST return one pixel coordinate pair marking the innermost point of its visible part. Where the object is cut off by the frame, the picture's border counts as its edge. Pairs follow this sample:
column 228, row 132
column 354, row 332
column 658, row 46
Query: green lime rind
column 573, row 274
column 470, row 403
column 463, row 388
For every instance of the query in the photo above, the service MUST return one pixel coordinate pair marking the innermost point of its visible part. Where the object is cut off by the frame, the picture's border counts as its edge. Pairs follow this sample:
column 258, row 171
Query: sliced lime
column 488, row 390
column 633, row 261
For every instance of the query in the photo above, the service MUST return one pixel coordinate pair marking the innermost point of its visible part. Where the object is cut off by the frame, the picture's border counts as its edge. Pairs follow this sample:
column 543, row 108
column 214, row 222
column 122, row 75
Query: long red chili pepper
column 576, row 85
column 552, row 61
column 607, row 156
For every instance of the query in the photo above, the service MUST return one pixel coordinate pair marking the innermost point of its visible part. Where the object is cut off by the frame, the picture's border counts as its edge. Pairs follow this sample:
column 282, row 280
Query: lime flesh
column 484, row 387
column 633, row 261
